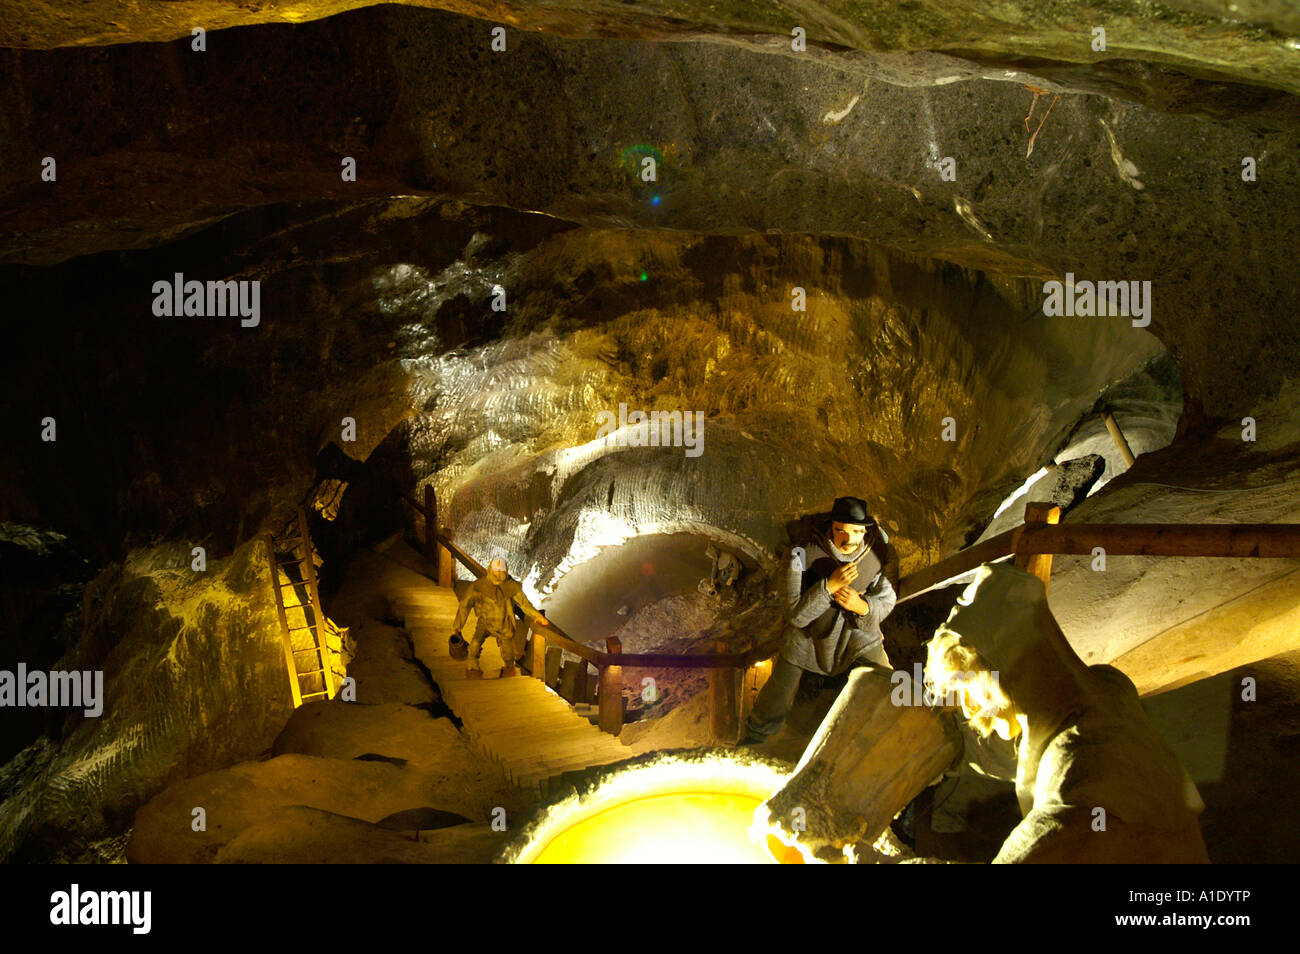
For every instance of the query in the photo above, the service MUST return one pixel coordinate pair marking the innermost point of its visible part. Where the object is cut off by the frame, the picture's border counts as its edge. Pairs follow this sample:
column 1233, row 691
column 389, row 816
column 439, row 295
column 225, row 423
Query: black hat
column 851, row 510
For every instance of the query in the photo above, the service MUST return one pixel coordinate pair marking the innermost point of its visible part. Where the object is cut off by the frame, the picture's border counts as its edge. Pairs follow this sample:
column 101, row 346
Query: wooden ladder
column 308, row 601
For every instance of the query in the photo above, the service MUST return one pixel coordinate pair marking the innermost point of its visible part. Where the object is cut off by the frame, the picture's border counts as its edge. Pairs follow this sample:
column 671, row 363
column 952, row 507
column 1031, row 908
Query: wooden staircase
column 534, row 734
column 297, row 600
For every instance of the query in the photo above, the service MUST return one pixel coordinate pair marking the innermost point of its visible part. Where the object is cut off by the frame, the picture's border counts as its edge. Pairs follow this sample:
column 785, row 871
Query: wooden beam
column 959, row 564
column 1267, row 540
column 431, row 549
column 724, row 700
column 1118, row 437
column 610, row 693
column 554, row 657
column 537, row 666
column 680, row 661
column 1039, row 564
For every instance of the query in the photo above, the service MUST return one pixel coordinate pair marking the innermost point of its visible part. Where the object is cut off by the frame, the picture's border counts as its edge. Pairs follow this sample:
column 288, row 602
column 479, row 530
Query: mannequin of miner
column 491, row 597
column 1095, row 781
column 835, row 595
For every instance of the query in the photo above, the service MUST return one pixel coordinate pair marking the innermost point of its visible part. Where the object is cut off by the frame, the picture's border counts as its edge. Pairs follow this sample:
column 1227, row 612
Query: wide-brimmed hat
column 851, row 510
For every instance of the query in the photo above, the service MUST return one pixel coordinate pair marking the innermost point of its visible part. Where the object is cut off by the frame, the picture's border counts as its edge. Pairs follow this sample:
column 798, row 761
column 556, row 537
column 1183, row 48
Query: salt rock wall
column 194, row 679
column 850, row 395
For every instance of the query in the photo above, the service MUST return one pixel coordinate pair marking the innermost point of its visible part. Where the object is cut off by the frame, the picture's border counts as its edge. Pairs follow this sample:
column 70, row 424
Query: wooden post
column 1039, row 564
column 1118, row 437
column 537, row 664
column 724, row 697
column 446, row 564
column 554, row 656
column 430, row 528
column 611, row 691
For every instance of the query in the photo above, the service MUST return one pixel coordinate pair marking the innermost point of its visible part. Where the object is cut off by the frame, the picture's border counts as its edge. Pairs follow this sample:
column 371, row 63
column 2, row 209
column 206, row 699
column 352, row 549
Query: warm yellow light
column 681, row 828
column 697, row 808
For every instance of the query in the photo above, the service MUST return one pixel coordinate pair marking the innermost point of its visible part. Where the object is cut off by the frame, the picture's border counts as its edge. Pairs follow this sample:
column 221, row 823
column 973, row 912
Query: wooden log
column 1118, row 437
column 610, row 691
column 724, row 702
column 1039, row 564
column 1265, row 540
column 1159, row 539
column 959, row 564
column 446, row 568
column 537, row 666
column 868, row 759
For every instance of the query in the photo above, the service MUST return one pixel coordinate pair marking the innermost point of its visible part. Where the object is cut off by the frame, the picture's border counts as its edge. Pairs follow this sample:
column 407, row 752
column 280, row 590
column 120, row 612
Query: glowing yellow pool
column 675, row 810
column 681, row 828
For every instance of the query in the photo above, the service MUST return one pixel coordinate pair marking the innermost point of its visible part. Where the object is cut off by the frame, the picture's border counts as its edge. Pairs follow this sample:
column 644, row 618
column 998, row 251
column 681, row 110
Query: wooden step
column 517, row 722
column 538, row 728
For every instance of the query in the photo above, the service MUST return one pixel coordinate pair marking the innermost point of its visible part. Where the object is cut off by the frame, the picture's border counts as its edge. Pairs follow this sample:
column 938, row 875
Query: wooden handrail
column 959, row 564
column 555, row 636
column 1036, row 538
column 1263, row 540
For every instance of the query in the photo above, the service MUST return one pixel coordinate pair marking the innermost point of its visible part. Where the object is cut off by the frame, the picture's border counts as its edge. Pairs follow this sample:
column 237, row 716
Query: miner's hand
column 841, row 578
column 852, row 602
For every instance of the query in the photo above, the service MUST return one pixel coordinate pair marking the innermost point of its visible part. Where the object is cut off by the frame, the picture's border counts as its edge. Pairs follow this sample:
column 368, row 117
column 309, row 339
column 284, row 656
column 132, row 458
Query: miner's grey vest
column 819, row 565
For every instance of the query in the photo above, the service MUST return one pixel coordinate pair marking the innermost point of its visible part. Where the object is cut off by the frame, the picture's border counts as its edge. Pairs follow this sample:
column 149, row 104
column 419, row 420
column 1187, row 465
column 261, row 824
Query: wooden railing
column 1033, row 543
column 734, row 677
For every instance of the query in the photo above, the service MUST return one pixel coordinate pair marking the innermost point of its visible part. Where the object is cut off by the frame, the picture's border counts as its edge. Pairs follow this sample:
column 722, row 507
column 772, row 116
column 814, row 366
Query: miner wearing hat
column 492, row 598
column 835, row 594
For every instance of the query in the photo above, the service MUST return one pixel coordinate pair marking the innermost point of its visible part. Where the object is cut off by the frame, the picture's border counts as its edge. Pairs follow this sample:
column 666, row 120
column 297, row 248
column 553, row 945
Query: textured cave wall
column 849, row 396
column 198, row 427
column 1247, row 40
column 744, row 146
column 194, row 679
column 775, row 170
